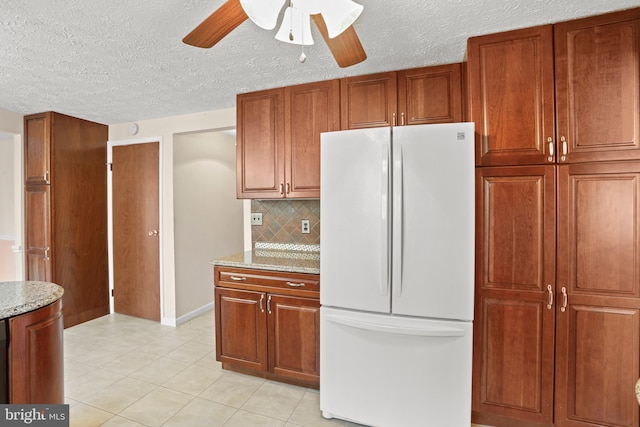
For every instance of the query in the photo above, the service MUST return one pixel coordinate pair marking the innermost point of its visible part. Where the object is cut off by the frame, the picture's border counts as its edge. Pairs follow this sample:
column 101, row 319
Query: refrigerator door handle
column 398, row 231
column 384, row 221
column 398, row 330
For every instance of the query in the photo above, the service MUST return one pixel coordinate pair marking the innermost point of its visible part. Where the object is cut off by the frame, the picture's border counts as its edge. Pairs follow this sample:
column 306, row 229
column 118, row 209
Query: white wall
column 167, row 127
column 7, row 210
column 207, row 216
column 11, row 125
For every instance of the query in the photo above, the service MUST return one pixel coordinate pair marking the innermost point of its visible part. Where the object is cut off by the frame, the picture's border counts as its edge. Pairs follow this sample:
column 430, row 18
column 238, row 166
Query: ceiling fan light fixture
column 263, row 13
column 295, row 27
column 340, row 15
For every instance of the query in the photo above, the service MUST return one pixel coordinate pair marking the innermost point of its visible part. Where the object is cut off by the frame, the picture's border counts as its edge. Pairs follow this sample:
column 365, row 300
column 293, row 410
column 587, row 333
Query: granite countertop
column 288, row 258
column 22, row 297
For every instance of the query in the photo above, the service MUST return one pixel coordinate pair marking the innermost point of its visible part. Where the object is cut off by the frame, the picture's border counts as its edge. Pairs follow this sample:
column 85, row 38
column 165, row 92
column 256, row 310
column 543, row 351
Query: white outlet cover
column 256, row 218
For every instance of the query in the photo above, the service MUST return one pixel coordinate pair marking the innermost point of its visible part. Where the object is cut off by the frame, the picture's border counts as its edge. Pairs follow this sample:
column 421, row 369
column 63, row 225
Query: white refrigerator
column 397, row 207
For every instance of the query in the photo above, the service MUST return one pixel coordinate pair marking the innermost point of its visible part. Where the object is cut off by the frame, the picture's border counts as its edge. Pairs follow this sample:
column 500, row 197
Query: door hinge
column 109, row 166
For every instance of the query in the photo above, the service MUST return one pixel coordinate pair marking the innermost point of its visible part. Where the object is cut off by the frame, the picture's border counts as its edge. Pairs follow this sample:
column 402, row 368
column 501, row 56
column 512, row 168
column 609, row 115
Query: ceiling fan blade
column 217, row 25
column 346, row 47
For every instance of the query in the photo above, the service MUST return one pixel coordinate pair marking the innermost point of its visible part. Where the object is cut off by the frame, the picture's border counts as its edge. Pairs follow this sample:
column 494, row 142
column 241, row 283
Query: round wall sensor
column 133, row 128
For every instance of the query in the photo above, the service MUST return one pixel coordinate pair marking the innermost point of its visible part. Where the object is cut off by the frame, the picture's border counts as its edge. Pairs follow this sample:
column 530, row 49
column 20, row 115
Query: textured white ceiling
column 119, row 61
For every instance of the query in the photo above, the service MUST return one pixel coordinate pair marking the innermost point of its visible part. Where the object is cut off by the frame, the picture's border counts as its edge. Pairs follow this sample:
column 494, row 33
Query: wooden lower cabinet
column 36, row 363
column 557, row 321
column 265, row 330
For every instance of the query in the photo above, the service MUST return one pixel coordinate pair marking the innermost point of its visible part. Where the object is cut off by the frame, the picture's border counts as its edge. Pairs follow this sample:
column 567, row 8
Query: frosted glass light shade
column 339, row 15
column 295, row 27
column 264, row 13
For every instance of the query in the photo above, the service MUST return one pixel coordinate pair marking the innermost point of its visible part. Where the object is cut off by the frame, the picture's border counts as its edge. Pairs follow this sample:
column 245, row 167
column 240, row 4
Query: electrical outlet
column 305, row 226
column 256, row 218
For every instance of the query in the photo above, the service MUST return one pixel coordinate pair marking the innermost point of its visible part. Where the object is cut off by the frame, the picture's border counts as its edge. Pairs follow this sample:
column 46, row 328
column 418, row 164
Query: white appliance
column 397, row 271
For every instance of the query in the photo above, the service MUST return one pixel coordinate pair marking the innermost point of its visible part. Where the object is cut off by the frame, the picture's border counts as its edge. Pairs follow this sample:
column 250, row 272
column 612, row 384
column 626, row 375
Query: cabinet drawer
column 266, row 280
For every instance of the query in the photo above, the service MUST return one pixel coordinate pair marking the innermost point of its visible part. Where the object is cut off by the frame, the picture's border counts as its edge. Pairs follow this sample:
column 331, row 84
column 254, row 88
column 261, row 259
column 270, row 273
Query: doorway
column 11, row 263
column 134, row 228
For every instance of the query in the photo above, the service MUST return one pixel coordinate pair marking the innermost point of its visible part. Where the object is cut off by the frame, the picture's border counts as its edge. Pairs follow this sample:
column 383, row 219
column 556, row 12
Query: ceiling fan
column 333, row 19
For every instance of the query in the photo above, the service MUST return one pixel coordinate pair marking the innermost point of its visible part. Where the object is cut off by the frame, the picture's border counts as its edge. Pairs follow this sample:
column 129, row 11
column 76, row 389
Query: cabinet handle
column 393, row 122
column 295, row 285
column 269, row 304
column 550, row 291
column 550, row 142
column 238, row 279
column 261, row 306
column 281, row 188
column 564, row 299
column 563, row 140
column 46, row 177
column 46, row 254
column 402, row 119
column 288, row 187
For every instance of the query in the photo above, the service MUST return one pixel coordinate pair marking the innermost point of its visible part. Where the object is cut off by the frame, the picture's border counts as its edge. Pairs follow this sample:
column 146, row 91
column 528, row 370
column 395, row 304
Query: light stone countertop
column 274, row 260
column 22, row 297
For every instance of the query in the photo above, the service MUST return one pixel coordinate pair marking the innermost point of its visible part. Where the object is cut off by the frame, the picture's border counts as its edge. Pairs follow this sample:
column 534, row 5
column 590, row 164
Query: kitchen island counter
column 293, row 261
column 22, row 297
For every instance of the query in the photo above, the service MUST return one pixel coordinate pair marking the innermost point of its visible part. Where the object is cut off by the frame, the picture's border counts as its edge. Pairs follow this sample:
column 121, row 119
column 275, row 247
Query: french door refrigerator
column 397, row 268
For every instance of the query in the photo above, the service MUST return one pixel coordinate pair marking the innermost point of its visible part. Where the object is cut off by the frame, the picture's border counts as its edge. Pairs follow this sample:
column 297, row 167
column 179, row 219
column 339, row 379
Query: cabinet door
column 368, row 101
column 260, row 145
column 309, row 110
column 430, row 95
column 598, row 87
column 37, row 146
column 38, row 241
column 598, row 331
column 36, row 362
column 512, row 96
column 294, row 337
column 514, row 323
column 241, row 328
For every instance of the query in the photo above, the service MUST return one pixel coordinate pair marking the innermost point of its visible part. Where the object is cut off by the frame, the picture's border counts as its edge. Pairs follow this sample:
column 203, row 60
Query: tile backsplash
column 282, row 221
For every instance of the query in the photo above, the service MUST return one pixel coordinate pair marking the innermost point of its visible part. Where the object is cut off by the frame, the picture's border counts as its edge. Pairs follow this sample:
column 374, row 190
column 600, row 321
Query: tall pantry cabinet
column 557, row 322
column 66, row 211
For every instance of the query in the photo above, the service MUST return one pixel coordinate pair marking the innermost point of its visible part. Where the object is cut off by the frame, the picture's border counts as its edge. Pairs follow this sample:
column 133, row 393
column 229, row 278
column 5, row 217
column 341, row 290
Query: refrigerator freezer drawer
column 384, row 371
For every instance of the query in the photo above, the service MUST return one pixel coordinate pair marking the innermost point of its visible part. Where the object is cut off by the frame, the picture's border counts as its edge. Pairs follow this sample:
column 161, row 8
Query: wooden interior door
column 136, row 240
column 598, row 321
column 514, row 323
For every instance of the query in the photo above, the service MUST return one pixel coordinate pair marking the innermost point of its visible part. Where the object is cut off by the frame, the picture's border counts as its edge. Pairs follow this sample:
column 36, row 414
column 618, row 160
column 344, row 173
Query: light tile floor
column 126, row 371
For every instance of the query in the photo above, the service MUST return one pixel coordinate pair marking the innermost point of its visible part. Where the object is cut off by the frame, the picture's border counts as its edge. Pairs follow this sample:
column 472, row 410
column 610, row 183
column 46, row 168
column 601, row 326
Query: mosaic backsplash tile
column 281, row 222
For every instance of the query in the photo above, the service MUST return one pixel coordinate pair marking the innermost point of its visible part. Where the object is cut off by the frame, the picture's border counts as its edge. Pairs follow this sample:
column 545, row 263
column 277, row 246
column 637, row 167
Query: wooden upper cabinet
column 310, row 109
column 278, row 139
column 510, row 77
column 37, row 149
column 408, row 97
column 598, row 87
column 260, row 144
column 368, row 101
column 430, row 95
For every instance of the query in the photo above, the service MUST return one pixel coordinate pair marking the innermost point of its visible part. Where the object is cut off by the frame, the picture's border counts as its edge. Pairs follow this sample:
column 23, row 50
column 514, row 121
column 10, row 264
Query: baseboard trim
column 193, row 314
